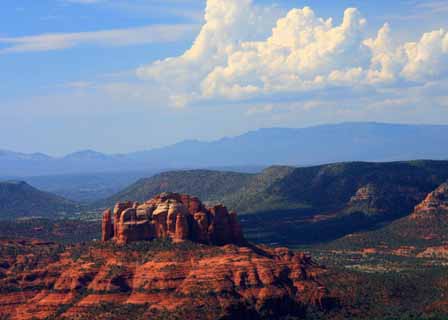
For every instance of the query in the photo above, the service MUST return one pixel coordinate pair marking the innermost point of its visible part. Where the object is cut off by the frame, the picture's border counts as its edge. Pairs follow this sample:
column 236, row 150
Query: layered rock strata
column 171, row 216
column 175, row 281
column 435, row 202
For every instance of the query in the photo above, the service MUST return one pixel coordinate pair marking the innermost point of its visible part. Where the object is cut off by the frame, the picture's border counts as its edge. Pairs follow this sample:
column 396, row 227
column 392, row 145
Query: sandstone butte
column 197, row 266
column 173, row 216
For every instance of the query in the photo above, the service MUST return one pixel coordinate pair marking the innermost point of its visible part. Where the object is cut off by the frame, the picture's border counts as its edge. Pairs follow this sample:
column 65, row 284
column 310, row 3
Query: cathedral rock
column 171, row 216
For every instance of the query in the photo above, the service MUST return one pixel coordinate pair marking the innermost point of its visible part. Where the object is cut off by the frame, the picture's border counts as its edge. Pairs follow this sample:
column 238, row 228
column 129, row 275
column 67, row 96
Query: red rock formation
column 175, row 216
column 228, row 282
column 439, row 252
column 118, row 209
column 107, row 227
column 220, row 232
column 182, row 229
column 436, row 201
column 373, row 199
column 200, row 227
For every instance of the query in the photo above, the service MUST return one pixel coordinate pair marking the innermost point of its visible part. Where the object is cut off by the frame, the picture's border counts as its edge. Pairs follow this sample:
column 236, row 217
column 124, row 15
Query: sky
column 125, row 75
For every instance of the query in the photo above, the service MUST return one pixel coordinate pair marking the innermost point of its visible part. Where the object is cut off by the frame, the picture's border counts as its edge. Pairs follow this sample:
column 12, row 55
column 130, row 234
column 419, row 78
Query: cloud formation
column 114, row 37
column 241, row 54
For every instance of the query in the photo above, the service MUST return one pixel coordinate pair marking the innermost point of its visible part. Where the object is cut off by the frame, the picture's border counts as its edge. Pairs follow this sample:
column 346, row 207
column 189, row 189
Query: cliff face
column 171, row 216
column 435, row 203
column 425, row 231
column 389, row 200
column 429, row 221
column 156, row 280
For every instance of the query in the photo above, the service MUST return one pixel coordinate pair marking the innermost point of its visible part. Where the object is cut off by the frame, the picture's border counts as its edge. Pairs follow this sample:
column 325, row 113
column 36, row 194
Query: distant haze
column 263, row 147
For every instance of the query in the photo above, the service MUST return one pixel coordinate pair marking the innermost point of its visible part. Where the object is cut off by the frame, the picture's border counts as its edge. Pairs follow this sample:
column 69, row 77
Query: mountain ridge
column 19, row 199
column 285, row 182
column 292, row 206
column 349, row 141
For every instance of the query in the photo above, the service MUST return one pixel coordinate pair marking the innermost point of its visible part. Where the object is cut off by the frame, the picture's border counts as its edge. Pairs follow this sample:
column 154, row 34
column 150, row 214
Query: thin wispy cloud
column 420, row 10
column 434, row 6
column 114, row 37
column 188, row 9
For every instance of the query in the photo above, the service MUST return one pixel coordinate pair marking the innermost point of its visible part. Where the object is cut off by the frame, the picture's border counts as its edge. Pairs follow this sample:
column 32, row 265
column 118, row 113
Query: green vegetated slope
column 426, row 227
column 397, row 186
column 290, row 205
column 400, row 233
column 394, row 188
column 396, row 272
column 337, row 194
column 19, row 199
column 205, row 184
column 412, row 294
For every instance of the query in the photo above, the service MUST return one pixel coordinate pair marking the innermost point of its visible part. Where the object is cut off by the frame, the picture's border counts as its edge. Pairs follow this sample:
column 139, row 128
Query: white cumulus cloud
column 242, row 52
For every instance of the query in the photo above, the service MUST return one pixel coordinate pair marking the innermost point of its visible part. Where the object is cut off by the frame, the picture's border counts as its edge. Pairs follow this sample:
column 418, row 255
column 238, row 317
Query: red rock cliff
column 435, row 202
column 189, row 281
column 174, row 216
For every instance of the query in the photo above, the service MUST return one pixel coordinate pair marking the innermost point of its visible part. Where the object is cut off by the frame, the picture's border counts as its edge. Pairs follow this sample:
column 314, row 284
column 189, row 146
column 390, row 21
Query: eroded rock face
column 107, row 230
column 186, row 281
column 172, row 216
column 396, row 200
column 436, row 201
column 429, row 220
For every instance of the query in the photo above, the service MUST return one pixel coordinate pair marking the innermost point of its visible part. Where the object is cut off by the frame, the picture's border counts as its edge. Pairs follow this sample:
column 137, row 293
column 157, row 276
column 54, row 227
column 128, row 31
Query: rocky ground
column 156, row 280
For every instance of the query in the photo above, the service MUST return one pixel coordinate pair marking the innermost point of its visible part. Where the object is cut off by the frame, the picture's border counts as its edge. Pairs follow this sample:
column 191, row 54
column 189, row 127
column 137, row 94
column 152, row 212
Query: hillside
column 426, row 229
column 264, row 147
column 320, row 203
column 377, row 188
column 411, row 252
column 205, row 184
column 19, row 199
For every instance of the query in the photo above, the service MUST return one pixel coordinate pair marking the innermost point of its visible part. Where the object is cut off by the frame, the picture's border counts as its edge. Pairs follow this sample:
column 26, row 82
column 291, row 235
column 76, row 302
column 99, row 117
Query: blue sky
column 125, row 75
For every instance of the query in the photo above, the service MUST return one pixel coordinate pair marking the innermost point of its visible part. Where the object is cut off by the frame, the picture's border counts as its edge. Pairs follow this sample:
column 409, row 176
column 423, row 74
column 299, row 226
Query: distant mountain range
column 263, row 147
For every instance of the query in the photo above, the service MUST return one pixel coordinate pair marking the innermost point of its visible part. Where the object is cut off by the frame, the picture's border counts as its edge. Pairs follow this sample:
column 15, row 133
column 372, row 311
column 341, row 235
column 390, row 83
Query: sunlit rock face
column 173, row 216
column 435, row 202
